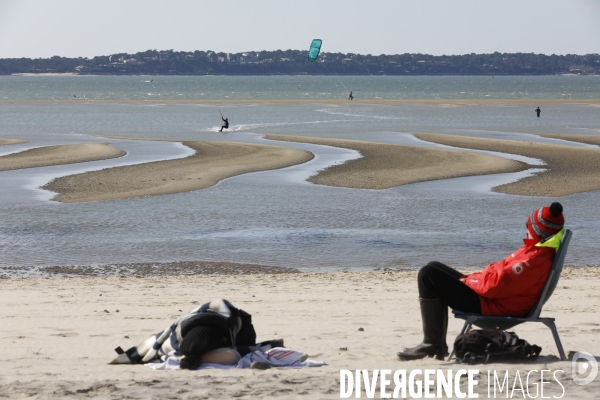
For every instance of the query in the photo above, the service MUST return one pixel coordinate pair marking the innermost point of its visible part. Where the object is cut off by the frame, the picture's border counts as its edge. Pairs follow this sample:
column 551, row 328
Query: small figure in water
column 226, row 126
column 350, row 97
column 538, row 111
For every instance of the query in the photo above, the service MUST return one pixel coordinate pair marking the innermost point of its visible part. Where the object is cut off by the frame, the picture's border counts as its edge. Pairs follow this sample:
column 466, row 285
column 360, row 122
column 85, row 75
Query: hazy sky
column 86, row 28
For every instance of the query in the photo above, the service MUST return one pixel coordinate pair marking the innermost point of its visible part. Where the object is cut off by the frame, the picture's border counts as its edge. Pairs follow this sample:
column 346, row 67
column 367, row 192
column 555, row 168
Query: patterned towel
column 165, row 344
column 277, row 357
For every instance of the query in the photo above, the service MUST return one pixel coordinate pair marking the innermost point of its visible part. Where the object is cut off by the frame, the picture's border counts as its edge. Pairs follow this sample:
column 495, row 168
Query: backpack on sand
column 493, row 345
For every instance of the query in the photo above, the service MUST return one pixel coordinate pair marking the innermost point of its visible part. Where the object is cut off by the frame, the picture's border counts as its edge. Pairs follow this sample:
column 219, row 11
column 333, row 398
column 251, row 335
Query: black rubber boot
column 434, row 314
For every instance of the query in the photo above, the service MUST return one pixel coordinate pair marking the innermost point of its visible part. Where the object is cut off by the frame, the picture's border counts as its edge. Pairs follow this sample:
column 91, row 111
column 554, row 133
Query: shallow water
column 215, row 87
column 276, row 217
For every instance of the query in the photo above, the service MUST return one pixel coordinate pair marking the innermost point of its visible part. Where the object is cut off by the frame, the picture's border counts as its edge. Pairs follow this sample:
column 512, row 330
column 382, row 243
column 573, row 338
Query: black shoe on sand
column 434, row 314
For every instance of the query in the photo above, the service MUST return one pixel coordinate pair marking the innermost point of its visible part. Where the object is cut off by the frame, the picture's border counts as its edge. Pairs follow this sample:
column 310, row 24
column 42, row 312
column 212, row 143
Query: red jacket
column 513, row 286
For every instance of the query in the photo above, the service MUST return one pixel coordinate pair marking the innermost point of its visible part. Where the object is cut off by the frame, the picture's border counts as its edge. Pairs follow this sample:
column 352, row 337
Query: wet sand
column 57, row 155
column 587, row 139
column 357, row 100
column 387, row 165
column 58, row 335
column 212, row 162
column 569, row 170
column 5, row 142
column 175, row 268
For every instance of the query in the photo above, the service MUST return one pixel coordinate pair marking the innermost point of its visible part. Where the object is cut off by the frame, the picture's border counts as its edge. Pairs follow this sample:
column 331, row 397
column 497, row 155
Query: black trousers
column 439, row 281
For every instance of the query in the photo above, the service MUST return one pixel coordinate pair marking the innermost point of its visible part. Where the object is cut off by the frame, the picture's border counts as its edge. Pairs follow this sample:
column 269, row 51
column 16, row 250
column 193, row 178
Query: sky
column 88, row 28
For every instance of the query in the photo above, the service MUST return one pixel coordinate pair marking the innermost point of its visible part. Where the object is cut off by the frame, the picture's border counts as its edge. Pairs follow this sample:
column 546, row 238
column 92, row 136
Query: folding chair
column 492, row 322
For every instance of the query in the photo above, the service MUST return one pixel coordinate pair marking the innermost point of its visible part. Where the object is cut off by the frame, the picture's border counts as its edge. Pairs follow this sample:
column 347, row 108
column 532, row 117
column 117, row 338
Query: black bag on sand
column 493, row 345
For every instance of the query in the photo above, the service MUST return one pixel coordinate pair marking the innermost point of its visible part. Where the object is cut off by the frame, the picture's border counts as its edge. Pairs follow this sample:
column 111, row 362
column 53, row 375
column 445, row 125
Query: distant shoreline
column 294, row 62
column 280, row 74
column 46, row 74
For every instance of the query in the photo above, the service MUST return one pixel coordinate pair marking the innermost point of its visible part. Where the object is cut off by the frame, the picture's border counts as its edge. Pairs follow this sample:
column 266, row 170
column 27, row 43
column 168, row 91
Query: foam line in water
column 347, row 114
column 246, row 127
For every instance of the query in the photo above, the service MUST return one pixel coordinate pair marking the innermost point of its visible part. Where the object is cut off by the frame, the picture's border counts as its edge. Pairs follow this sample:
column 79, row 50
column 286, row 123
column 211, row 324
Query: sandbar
column 569, row 169
column 212, row 162
column 57, row 155
column 587, row 139
column 388, row 165
column 5, row 142
column 58, row 335
column 338, row 102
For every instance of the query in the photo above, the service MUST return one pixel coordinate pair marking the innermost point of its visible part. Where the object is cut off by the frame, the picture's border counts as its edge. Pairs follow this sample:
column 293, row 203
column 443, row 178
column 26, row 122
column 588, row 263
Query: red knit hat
column 546, row 221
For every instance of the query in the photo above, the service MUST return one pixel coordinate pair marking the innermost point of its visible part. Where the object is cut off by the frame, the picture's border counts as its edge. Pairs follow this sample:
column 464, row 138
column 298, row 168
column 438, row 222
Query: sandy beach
column 57, row 155
column 386, row 165
column 569, row 170
column 58, row 335
column 212, row 162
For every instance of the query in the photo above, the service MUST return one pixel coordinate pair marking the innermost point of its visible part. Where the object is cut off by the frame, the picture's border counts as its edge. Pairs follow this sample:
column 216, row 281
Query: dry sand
column 212, row 162
column 387, row 165
column 58, row 335
column 4, row 142
column 56, row 155
column 569, row 169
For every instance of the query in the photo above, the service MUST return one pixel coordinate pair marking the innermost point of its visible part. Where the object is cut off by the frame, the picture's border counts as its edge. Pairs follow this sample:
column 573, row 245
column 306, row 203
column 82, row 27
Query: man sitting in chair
column 510, row 287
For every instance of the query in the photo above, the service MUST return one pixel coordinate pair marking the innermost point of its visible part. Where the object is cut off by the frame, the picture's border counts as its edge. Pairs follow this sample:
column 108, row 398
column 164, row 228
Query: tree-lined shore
column 294, row 62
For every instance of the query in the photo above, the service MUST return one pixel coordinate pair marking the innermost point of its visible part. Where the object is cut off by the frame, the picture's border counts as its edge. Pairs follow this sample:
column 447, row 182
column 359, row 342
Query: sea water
column 277, row 217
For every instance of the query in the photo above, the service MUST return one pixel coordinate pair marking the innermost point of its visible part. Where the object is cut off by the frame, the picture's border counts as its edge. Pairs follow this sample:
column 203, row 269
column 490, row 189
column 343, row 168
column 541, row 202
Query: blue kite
column 313, row 52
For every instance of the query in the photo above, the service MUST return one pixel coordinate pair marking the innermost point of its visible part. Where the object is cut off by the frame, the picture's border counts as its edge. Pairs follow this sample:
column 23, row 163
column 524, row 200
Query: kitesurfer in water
column 350, row 97
column 226, row 125
column 538, row 111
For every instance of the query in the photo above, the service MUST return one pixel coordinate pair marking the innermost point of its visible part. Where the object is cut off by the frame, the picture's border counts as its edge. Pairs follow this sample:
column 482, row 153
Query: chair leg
column 466, row 326
column 552, row 326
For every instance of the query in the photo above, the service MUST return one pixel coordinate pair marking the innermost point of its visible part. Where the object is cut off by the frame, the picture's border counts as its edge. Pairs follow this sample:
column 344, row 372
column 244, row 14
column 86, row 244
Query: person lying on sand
column 195, row 337
column 510, row 287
